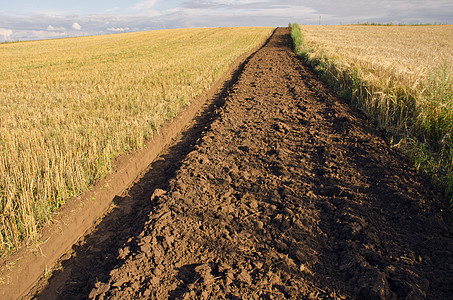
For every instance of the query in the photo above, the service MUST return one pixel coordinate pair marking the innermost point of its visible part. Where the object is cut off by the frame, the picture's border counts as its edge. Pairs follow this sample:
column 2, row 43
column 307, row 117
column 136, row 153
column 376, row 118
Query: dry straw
column 401, row 76
column 69, row 106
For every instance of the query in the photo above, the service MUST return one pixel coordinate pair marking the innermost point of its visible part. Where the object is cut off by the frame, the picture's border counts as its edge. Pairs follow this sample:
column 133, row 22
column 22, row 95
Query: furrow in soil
column 284, row 191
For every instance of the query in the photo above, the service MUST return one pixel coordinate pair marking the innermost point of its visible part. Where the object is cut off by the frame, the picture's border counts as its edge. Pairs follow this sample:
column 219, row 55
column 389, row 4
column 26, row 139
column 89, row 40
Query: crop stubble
column 287, row 193
column 69, row 106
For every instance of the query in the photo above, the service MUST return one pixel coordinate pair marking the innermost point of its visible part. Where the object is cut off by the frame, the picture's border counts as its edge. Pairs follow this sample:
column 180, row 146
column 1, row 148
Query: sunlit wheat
column 68, row 106
column 401, row 76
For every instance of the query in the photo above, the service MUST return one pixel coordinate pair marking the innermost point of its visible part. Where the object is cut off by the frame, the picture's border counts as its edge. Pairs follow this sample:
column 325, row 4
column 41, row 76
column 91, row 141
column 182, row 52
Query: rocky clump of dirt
column 287, row 194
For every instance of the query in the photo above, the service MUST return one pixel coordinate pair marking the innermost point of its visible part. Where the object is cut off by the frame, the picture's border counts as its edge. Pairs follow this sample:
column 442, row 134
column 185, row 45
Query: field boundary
column 280, row 189
column 21, row 270
column 403, row 113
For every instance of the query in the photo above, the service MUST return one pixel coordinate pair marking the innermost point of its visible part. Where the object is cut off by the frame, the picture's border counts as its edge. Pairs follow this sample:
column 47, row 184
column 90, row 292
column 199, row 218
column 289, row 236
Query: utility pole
column 319, row 20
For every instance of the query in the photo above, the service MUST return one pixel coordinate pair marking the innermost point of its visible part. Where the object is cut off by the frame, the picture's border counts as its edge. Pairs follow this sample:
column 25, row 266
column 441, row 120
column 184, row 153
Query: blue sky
column 84, row 7
column 43, row 19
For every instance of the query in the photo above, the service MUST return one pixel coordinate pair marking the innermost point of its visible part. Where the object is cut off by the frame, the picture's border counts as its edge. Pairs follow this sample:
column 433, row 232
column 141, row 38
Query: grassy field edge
column 417, row 121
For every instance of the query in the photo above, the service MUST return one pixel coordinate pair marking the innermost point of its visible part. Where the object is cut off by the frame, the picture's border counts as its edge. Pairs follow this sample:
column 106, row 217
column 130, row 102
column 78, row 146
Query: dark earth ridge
column 280, row 190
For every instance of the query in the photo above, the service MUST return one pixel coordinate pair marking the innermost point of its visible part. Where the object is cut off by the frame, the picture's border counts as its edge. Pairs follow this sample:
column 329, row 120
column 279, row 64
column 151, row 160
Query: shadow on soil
column 369, row 231
column 92, row 258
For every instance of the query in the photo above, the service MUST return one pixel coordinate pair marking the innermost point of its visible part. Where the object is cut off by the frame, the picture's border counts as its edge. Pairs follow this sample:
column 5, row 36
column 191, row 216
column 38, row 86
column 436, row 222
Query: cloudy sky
column 43, row 19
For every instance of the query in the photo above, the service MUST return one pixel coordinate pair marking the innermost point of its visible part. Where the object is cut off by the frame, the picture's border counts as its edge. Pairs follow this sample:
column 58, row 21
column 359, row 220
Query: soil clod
column 287, row 193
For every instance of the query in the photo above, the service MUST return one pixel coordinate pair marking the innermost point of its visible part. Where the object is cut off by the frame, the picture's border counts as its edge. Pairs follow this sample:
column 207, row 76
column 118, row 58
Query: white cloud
column 144, row 5
column 120, row 29
column 145, row 15
column 41, row 34
column 76, row 26
column 112, row 9
column 52, row 28
column 5, row 34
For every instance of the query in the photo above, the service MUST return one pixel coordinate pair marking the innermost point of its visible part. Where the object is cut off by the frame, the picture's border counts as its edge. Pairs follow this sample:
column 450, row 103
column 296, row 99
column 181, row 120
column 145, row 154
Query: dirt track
column 280, row 190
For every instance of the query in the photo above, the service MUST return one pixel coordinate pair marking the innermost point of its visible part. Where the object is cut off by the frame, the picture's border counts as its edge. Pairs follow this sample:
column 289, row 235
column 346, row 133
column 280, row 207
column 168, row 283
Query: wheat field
column 401, row 77
column 69, row 106
column 404, row 53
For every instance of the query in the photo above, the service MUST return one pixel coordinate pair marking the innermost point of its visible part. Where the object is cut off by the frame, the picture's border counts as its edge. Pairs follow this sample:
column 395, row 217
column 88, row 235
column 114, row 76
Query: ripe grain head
column 69, row 106
column 407, row 53
column 401, row 76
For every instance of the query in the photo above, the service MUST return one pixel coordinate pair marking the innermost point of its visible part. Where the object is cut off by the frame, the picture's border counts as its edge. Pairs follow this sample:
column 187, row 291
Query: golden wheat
column 401, row 76
column 402, row 69
column 405, row 53
column 69, row 106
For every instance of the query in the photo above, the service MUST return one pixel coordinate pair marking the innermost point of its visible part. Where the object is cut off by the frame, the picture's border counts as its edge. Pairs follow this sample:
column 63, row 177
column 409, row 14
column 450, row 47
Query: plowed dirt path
column 279, row 191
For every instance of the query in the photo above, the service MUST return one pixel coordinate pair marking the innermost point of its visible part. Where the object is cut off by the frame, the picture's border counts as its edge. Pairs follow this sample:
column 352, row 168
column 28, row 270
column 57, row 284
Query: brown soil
column 21, row 270
column 280, row 190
